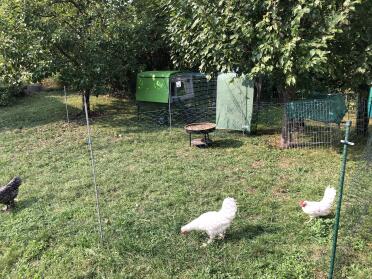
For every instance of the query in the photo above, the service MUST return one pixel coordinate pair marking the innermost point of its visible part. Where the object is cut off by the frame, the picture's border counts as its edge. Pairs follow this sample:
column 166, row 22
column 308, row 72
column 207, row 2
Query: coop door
column 181, row 88
column 234, row 102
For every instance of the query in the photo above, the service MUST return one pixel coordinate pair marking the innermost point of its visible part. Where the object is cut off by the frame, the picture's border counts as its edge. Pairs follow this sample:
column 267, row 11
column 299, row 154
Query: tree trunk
column 86, row 94
column 257, row 90
column 286, row 93
column 362, row 120
column 257, row 103
column 283, row 94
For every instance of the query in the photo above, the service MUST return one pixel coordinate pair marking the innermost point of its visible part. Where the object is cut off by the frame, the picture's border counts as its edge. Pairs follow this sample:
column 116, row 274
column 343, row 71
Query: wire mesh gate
column 312, row 123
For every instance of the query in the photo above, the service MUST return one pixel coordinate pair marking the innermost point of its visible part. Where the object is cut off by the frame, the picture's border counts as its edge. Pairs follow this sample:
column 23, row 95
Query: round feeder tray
column 200, row 128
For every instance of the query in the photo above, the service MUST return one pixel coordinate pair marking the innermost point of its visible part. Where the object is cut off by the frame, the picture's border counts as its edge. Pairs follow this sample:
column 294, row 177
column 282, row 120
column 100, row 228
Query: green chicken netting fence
column 356, row 223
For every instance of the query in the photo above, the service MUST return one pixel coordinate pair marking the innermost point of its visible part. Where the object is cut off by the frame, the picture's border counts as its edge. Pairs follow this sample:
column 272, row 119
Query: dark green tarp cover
column 323, row 108
column 234, row 107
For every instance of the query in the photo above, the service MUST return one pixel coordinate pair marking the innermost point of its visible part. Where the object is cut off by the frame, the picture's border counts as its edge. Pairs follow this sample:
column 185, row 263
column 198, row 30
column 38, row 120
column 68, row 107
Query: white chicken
column 214, row 223
column 321, row 208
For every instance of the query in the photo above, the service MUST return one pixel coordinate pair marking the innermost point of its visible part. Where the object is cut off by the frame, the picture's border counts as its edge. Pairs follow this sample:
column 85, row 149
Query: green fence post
column 346, row 143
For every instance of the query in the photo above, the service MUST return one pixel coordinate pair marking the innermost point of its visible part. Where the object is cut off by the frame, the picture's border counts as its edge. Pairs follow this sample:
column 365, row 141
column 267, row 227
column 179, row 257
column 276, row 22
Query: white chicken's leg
column 311, row 218
column 221, row 236
column 210, row 240
column 7, row 208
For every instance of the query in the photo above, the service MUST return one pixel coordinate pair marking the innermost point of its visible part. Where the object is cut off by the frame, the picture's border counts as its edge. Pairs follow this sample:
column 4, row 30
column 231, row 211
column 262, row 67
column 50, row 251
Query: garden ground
column 151, row 183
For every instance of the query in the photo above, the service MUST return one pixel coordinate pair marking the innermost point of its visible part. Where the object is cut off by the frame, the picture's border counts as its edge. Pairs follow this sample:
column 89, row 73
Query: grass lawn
column 151, row 184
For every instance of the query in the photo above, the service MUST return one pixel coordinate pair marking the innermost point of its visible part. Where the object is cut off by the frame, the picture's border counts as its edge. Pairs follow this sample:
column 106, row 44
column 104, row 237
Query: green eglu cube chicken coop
column 167, row 97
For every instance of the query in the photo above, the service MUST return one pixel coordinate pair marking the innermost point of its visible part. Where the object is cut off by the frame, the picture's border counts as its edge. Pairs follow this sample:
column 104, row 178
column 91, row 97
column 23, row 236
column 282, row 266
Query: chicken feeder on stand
column 203, row 128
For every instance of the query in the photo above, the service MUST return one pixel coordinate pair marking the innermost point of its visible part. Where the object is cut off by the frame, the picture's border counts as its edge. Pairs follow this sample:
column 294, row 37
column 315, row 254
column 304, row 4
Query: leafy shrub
column 294, row 265
column 7, row 95
column 322, row 229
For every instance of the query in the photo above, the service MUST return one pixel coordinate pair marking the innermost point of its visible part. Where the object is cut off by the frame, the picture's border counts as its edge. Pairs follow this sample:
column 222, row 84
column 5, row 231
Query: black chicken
column 9, row 192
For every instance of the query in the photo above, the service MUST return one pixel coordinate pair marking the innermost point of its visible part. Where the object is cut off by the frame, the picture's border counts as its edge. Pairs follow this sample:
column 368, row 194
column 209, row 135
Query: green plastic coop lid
column 153, row 86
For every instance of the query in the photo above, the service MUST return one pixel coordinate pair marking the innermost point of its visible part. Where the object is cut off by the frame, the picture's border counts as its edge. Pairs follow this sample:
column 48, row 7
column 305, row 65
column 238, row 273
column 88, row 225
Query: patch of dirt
column 281, row 192
column 318, row 254
column 320, row 274
column 181, row 153
column 257, row 164
column 286, row 163
column 251, row 190
column 131, row 168
column 275, row 142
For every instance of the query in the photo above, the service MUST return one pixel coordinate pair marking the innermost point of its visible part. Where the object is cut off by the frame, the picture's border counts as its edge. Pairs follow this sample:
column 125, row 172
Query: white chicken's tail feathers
column 329, row 195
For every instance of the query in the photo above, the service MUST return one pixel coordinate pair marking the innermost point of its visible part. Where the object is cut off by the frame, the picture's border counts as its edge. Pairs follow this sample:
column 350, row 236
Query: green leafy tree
column 287, row 41
column 73, row 33
column 350, row 65
column 20, row 49
column 22, row 58
column 91, row 43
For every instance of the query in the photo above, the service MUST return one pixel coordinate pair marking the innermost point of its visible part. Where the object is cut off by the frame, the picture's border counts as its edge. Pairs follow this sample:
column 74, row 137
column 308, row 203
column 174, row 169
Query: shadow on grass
column 266, row 131
column 250, row 232
column 35, row 110
column 123, row 114
column 48, row 107
column 23, row 204
column 129, row 124
column 226, row 143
